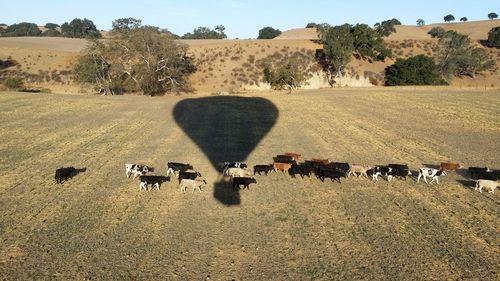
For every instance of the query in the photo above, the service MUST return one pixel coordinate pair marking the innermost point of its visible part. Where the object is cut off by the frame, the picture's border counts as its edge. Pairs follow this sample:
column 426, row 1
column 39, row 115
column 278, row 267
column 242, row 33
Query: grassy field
column 99, row 226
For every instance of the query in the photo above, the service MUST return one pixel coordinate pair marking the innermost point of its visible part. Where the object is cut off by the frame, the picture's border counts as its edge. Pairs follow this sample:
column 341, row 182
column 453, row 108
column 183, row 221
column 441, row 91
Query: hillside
column 236, row 65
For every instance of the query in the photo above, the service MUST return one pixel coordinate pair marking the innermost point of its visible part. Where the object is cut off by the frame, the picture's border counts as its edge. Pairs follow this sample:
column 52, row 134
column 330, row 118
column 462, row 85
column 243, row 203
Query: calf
column 137, row 170
column 64, row 174
column 381, row 171
column 173, row 167
column 430, row 172
column 191, row 175
column 302, row 170
column 489, row 185
column 262, row 168
column 449, row 167
column 477, row 171
column 194, row 184
column 361, row 169
column 228, row 165
column 245, row 181
column 333, row 174
column 154, row 181
column 284, row 167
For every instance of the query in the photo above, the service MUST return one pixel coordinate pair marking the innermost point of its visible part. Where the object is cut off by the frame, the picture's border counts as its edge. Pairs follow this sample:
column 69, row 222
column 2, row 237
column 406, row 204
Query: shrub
column 13, row 83
column 418, row 70
column 436, row 32
column 268, row 33
column 494, row 37
column 79, row 28
column 51, row 33
column 21, row 29
column 286, row 75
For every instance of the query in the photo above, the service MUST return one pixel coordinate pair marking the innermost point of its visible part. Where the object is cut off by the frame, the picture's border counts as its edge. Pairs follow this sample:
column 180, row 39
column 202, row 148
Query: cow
column 284, row 167
column 398, row 170
column 191, row 175
column 340, row 166
column 284, row 159
column 381, row 171
column 333, row 174
column 489, row 175
column 154, row 181
column 64, row 174
column 245, row 181
column 476, row 171
column 137, row 170
column 361, row 169
column 194, row 184
column 302, row 170
column 489, row 185
column 228, row 165
column 174, row 167
column 257, row 169
column 450, row 167
column 237, row 172
column 430, row 172
column 295, row 156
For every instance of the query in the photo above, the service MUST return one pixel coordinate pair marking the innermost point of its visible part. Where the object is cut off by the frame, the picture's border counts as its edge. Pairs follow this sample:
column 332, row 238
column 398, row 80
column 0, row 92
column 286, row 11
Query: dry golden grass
column 98, row 225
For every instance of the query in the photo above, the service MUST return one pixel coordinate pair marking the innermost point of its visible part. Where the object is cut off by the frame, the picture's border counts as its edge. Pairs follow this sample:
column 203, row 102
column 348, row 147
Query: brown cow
column 284, row 167
column 319, row 161
column 448, row 167
column 295, row 156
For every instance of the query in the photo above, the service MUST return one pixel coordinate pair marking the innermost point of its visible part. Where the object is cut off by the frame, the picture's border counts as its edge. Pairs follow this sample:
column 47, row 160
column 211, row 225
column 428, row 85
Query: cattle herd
column 241, row 175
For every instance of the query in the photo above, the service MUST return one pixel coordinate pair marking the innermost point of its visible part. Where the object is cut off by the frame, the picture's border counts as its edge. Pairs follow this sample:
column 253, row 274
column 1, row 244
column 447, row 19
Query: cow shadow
column 468, row 184
column 226, row 129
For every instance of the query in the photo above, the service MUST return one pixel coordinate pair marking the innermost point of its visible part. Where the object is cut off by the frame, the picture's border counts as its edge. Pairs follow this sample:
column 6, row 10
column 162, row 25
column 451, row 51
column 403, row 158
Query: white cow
column 431, row 173
column 136, row 170
column 489, row 185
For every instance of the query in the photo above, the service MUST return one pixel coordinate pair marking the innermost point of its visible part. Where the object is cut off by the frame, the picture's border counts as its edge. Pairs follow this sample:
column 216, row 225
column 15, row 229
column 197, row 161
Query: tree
column 457, row 56
column 51, row 33
column 338, row 46
column 385, row 28
column 449, row 18
column 311, row 25
column 139, row 60
column 436, row 32
column 492, row 16
column 268, row 33
column 418, row 70
column 420, row 22
column 286, row 75
column 464, row 19
column 494, row 37
column 79, row 28
column 125, row 24
column 50, row 25
column 368, row 43
column 21, row 29
column 206, row 33
column 169, row 33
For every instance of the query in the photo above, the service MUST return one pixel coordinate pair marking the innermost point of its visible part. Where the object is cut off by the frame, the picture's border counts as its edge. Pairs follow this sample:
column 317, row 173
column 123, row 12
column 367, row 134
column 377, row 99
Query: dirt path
column 100, row 226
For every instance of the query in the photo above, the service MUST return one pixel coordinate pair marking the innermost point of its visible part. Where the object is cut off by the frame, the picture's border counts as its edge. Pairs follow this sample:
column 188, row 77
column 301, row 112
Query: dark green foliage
column 286, row 75
column 312, row 25
column 436, row 32
column 125, row 24
column 418, row 70
column 494, row 37
column 368, row 43
column 51, row 33
column 206, row 33
column 21, row 29
column 492, row 16
column 338, row 46
column 13, row 83
column 268, row 33
column 386, row 27
column 464, row 19
column 449, row 18
column 79, row 28
column 169, row 33
column 420, row 22
column 51, row 25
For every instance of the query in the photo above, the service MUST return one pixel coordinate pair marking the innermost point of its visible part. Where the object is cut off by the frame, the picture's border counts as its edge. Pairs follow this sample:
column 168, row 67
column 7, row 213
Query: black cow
column 64, row 174
column 489, row 175
column 237, row 181
column 235, row 165
column 398, row 170
column 333, row 174
column 262, row 168
column 173, row 167
column 189, row 176
column 339, row 166
column 284, row 159
column 477, row 171
column 154, row 181
column 302, row 170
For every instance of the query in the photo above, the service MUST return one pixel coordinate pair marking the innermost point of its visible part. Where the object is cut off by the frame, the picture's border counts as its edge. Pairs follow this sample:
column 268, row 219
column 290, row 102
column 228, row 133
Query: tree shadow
column 226, row 128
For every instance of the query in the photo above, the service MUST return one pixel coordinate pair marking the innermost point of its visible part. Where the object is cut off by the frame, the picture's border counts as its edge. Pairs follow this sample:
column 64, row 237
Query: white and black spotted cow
column 136, row 170
column 228, row 165
column 431, row 173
